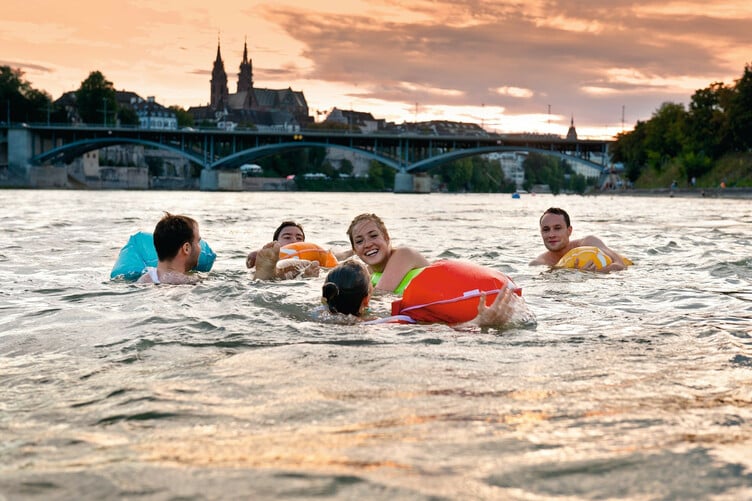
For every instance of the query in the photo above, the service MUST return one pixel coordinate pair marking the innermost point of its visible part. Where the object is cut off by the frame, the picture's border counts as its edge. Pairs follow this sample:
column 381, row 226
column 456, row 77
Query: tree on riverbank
column 693, row 143
column 96, row 100
column 21, row 102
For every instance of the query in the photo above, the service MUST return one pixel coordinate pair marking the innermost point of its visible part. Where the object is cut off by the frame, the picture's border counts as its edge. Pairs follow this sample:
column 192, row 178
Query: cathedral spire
column 245, row 77
column 219, row 92
column 572, row 132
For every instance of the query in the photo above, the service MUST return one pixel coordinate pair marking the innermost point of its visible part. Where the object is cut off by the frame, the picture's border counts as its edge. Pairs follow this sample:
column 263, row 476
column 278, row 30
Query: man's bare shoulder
column 145, row 279
column 545, row 259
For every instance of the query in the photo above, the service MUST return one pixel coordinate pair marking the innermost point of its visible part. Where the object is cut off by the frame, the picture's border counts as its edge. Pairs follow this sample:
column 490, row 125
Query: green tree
column 740, row 112
column 707, row 124
column 346, row 167
column 96, row 101
column 457, row 175
column 21, row 102
column 126, row 116
column 629, row 149
column 380, row 177
column 185, row 119
column 665, row 135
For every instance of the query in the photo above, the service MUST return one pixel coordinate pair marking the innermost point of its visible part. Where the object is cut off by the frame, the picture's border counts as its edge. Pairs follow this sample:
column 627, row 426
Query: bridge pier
column 20, row 150
column 217, row 180
column 409, row 183
column 403, row 182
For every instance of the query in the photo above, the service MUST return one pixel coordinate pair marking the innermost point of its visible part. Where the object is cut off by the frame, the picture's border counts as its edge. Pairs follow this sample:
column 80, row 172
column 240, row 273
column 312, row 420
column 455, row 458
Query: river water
column 632, row 385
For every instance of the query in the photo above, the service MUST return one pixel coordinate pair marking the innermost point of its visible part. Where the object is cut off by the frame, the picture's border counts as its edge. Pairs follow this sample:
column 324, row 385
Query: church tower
column 219, row 91
column 245, row 77
column 572, row 132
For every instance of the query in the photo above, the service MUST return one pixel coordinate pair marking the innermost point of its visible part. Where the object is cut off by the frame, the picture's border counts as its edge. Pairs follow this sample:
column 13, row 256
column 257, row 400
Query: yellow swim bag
column 583, row 255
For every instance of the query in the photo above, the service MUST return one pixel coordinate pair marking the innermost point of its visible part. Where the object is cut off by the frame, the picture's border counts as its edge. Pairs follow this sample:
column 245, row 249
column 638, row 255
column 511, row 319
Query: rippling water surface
column 633, row 385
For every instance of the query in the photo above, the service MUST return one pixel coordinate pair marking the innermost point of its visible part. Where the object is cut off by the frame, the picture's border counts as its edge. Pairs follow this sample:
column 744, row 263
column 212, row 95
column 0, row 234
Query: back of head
column 171, row 232
column 345, row 288
column 560, row 212
column 367, row 217
column 284, row 225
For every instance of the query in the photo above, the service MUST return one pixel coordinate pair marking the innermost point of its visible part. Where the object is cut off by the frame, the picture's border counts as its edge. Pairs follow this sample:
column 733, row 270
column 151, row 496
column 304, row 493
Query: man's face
column 554, row 232
column 289, row 235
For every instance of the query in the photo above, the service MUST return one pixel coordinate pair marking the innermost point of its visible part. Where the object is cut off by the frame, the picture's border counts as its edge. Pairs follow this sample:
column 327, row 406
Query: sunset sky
column 502, row 64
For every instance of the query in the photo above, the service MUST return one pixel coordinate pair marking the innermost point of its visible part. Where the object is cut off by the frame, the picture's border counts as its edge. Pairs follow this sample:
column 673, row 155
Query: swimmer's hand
column 250, row 260
column 292, row 268
column 266, row 261
column 500, row 312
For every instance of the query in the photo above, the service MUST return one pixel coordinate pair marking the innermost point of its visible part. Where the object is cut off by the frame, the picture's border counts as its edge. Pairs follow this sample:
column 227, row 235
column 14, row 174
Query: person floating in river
column 391, row 268
column 555, row 229
column 269, row 266
column 347, row 290
column 178, row 244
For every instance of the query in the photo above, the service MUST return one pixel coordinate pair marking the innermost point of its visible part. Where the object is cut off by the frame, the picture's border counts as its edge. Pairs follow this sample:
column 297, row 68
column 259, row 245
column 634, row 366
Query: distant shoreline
column 731, row 193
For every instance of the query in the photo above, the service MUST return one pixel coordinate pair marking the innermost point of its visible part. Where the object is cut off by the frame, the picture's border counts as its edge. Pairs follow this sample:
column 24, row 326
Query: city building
column 355, row 120
column 512, row 164
column 250, row 106
column 151, row 114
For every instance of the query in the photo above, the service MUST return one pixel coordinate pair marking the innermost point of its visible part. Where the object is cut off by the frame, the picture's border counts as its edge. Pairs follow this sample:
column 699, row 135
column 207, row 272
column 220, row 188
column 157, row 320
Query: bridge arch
column 430, row 163
column 252, row 154
column 69, row 152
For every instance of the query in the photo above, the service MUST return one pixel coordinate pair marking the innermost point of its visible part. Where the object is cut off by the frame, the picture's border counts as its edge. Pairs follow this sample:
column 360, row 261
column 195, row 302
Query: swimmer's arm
column 402, row 260
column 341, row 255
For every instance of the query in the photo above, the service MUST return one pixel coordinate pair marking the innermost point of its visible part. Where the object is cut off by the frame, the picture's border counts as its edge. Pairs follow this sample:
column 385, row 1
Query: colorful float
column 449, row 291
column 139, row 253
column 310, row 252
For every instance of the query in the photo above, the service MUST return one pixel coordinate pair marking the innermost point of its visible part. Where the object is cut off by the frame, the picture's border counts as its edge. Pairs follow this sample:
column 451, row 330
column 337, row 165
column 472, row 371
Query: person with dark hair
column 391, row 267
column 178, row 244
column 286, row 233
column 347, row 290
column 268, row 265
column 265, row 259
column 555, row 229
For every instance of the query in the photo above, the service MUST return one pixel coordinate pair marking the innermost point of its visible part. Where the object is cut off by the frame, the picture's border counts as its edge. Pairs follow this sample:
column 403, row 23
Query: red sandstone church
column 251, row 105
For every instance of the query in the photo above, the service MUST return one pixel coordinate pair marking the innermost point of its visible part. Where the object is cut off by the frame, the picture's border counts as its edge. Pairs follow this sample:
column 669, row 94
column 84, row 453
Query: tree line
column 689, row 143
column 95, row 103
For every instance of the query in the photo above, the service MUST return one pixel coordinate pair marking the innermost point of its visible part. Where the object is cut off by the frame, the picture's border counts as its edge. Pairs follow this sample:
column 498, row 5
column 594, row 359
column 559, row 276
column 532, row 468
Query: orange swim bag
column 310, row 252
column 449, row 291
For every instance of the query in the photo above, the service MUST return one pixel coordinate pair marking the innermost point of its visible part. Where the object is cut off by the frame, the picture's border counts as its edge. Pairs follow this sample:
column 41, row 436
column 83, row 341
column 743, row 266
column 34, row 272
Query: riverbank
column 735, row 193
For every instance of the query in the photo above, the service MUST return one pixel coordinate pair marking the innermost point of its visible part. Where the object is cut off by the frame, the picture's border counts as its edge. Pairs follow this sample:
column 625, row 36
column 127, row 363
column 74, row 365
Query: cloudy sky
column 512, row 66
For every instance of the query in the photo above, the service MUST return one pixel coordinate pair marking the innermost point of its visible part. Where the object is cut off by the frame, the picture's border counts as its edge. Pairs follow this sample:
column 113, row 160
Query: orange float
column 448, row 292
column 309, row 252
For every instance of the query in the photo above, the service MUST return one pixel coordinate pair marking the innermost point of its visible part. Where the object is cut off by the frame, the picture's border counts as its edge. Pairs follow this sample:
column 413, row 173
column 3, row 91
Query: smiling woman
column 389, row 266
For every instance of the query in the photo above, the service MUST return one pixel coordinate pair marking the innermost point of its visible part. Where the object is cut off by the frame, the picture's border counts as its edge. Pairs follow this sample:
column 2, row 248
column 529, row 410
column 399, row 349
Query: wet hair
column 284, row 225
column 171, row 232
column 366, row 217
column 345, row 288
column 560, row 212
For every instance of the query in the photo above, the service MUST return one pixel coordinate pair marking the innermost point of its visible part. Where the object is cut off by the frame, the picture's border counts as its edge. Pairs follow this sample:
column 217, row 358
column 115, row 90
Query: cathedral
column 249, row 104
